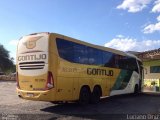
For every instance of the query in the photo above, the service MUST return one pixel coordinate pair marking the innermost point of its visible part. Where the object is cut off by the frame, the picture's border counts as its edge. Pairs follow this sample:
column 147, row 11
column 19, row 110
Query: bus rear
column 34, row 80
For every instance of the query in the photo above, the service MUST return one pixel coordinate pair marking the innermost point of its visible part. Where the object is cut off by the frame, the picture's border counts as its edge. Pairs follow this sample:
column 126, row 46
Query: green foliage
column 11, row 70
column 6, row 63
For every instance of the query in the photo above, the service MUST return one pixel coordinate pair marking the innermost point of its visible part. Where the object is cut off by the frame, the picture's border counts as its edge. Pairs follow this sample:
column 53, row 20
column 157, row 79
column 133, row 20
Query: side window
column 131, row 64
column 108, row 59
column 118, row 61
column 122, row 62
column 154, row 69
column 80, row 55
column 65, row 49
column 94, row 56
column 128, row 63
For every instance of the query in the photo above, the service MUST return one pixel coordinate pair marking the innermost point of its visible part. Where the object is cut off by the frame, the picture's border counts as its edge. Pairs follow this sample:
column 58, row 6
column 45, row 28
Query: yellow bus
column 57, row 68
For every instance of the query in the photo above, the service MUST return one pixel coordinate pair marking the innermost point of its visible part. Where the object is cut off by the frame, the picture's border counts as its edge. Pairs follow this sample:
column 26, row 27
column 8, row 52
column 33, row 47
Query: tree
column 6, row 62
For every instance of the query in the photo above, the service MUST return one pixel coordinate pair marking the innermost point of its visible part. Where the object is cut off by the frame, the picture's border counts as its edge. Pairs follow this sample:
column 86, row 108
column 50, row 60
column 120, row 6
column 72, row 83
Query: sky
column 127, row 25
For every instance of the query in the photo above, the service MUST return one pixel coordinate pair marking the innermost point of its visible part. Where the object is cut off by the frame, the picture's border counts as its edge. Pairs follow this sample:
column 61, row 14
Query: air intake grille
column 32, row 65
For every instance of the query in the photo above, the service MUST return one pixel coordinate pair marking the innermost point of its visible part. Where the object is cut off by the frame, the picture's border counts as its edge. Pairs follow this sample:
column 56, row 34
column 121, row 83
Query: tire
column 95, row 96
column 84, row 96
column 136, row 89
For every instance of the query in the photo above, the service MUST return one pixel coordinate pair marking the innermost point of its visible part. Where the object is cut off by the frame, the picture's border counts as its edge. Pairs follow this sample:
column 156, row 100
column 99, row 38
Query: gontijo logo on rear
column 31, row 43
column 34, row 51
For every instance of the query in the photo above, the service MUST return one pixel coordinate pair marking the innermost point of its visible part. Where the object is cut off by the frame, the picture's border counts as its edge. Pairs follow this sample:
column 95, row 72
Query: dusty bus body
column 54, row 67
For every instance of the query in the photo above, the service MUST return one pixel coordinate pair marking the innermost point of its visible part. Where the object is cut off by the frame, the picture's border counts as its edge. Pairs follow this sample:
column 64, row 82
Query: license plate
column 30, row 94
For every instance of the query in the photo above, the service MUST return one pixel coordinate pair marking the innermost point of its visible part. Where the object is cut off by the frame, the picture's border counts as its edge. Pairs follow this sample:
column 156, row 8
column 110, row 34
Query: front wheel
column 136, row 89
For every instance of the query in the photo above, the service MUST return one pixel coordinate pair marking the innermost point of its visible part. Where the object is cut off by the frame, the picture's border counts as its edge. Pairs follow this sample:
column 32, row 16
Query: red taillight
column 17, row 81
column 50, row 81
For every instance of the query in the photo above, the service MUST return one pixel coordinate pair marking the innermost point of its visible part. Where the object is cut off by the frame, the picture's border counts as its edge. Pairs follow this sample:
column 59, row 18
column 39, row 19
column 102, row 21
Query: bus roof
column 89, row 44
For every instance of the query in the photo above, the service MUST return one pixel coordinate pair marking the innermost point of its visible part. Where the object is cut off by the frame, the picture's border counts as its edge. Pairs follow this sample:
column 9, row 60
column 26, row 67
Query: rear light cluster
column 50, row 81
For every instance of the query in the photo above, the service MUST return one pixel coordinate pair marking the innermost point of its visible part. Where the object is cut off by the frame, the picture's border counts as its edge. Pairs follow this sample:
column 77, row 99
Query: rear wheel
column 96, row 94
column 56, row 102
column 84, row 96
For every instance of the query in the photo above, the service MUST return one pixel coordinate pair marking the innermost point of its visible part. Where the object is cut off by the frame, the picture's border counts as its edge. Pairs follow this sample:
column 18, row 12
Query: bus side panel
column 105, row 86
column 84, row 82
column 32, row 83
column 53, row 63
column 125, row 82
column 108, row 81
column 76, row 89
column 64, row 89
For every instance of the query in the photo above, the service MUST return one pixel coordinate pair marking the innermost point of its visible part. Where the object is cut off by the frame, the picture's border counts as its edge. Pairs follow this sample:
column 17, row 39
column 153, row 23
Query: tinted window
column 132, row 64
column 128, row 63
column 155, row 69
column 80, row 54
column 65, row 49
column 94, row 56
column 108, row 59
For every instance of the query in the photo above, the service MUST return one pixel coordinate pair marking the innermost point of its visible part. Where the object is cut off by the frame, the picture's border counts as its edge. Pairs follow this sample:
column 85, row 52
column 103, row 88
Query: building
column 151, row 64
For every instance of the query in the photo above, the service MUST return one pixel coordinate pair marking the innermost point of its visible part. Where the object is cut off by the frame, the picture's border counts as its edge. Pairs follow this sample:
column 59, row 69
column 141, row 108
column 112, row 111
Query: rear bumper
column 48, row 95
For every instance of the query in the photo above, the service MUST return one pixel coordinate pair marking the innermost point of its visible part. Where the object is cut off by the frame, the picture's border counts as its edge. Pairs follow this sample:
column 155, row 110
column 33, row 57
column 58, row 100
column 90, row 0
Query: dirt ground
column 118, row 107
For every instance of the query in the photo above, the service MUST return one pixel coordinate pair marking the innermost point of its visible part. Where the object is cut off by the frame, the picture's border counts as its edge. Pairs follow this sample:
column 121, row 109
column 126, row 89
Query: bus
column 56, row 68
